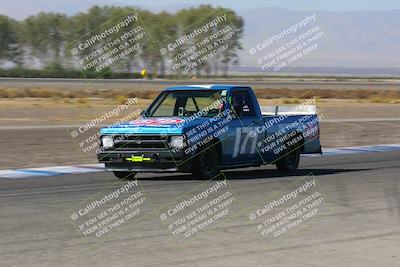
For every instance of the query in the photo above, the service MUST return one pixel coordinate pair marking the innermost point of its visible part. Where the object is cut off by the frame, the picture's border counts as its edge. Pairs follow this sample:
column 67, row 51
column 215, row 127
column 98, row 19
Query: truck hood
column 160, row 125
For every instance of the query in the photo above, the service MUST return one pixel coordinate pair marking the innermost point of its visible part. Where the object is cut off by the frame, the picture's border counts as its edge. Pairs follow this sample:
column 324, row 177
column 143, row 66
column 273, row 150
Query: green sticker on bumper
column 138, row 159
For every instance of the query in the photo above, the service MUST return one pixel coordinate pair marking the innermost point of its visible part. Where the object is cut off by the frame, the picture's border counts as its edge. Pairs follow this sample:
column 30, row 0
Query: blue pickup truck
column 202, row 129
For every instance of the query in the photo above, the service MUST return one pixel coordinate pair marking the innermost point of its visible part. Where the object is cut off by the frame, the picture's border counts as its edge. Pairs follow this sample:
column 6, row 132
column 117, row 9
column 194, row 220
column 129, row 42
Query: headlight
column 107, row 141
column 177, row 141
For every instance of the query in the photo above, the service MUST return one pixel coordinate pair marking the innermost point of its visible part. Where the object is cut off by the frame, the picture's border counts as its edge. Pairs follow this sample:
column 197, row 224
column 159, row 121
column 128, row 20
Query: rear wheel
column 125, row 175
column 205, row 165
column 289, row 162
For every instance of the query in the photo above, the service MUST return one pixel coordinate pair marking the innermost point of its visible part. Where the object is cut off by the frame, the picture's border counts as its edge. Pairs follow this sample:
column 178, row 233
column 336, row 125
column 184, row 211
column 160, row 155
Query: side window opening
column 242, row 104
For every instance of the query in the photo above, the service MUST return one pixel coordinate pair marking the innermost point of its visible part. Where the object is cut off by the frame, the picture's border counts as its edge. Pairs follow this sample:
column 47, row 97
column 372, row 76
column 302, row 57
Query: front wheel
column 205, row 165
column 289, row 162
column 124, row 175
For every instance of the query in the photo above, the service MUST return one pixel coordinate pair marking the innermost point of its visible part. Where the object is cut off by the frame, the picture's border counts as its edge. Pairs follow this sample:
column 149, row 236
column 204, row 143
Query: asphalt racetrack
column 360, row 228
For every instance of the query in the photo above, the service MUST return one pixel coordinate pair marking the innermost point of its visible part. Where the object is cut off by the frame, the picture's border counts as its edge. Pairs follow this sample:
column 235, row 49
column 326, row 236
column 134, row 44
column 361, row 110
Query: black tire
column 289, row 162
column 124, row 175
column 205, row 164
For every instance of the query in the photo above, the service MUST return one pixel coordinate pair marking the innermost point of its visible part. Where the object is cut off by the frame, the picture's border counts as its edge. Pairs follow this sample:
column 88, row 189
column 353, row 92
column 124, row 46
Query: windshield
column 187, row 103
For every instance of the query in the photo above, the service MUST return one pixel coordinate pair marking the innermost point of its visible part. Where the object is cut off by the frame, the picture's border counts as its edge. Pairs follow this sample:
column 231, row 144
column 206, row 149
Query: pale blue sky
column 341, row 5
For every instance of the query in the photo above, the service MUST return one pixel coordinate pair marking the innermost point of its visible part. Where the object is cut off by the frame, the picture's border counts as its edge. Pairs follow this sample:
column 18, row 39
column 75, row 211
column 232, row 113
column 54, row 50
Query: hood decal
column 147, row 126
column 156, row 122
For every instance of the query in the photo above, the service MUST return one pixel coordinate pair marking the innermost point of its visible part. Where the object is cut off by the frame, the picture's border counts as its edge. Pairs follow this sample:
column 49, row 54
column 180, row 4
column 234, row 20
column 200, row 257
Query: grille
column 144, row 142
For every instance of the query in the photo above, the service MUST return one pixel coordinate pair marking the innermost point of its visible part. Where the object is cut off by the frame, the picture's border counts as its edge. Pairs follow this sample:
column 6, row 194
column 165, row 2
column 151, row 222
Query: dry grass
column 291, row 101
column 117, row 94
column 384, row 100
column 121, row 99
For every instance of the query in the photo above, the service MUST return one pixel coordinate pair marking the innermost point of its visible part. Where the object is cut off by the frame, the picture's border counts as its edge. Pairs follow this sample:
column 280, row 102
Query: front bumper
column 161, row 161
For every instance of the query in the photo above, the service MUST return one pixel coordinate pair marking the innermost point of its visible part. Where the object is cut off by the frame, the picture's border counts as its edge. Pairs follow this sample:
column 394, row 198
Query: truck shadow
column 256, row 174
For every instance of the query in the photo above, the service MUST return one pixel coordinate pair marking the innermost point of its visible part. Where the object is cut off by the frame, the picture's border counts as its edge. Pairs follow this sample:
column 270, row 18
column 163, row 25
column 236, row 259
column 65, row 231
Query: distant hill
column 352, row 39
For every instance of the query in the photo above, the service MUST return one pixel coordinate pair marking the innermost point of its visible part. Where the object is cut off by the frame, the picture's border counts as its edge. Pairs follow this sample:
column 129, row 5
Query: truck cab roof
column 205, row 86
